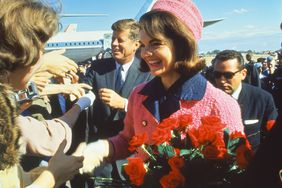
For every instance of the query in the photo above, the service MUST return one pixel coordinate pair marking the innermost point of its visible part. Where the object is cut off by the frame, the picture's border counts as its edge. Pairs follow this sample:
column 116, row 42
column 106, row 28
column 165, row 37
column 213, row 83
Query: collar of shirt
column 237, row 92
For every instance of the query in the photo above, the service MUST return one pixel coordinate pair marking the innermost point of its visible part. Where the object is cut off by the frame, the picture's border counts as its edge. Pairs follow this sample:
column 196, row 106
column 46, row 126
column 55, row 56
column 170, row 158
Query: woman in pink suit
column 169, row 35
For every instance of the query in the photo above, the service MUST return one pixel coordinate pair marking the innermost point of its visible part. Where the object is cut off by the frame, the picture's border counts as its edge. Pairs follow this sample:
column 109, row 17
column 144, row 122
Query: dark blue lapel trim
column 185, row 89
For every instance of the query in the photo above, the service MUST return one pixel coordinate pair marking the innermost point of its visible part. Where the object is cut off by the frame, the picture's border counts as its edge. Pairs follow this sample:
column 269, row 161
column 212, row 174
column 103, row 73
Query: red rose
column 135, row 170
column 244, row 154
column 213, row 122
column 221, row 147
column 176, row 163
column 172, row 180
column 184, row 120
column 214, row 152
column 206, row 135
column 269, row 124
column 137, row 141
column 194, row 135
column 237, row 134
column 169, row 123
column 161, row 135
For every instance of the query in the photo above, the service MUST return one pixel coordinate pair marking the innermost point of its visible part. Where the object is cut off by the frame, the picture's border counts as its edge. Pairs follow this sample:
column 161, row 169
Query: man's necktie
column 119, row 80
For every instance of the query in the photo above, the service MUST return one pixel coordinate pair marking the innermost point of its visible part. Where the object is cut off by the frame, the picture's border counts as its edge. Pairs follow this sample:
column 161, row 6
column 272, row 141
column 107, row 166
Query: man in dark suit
column 258, row 109
column 252, row 76
column 112, row 80
column 265, row 168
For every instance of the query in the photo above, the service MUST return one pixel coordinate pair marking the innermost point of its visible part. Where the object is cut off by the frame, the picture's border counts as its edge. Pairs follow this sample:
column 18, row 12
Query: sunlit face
column 158, row 54
column 123, row 47
column 19, row 77
column 229, row 85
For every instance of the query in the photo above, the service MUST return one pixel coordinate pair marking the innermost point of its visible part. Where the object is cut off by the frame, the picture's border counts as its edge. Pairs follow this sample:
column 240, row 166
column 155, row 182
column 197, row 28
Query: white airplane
column 83, row 45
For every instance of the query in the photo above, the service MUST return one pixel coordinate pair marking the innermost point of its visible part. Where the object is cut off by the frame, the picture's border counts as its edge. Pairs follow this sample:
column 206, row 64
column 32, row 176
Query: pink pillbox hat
column 186, row 11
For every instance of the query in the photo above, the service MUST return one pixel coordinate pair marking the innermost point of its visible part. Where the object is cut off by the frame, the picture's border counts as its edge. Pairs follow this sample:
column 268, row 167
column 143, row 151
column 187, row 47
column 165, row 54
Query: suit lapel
column 110, row 76
column 242, row 94
column 131, row 78
column 242, row 99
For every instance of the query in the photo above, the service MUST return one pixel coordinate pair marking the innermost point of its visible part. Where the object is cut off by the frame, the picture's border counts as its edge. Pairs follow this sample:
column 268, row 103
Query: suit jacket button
column 144, row 123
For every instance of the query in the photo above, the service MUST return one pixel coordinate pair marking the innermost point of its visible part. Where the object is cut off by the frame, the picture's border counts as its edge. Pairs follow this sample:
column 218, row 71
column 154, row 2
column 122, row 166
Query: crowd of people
column 82, row 122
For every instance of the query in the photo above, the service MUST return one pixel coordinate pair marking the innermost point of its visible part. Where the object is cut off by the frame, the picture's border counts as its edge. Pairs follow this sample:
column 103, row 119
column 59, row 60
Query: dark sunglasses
column 227, row 75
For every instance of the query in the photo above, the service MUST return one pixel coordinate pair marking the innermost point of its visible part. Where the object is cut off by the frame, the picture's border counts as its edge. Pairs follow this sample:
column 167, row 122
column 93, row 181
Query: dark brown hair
column 230, row 54
column 164, row 23
column 9, row 131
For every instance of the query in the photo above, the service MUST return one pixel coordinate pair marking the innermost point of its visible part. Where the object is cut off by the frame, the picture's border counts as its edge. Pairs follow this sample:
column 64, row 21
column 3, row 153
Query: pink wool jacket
column 198, row 98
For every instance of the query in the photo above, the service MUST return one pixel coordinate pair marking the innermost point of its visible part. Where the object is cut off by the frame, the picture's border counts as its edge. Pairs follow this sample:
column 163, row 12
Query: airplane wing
column 211, row 22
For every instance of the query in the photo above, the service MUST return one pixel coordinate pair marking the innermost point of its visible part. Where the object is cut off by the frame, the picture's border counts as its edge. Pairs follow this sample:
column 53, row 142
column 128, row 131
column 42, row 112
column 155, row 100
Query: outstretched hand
column 64, row 167
column 58, row 64
column 94, row 154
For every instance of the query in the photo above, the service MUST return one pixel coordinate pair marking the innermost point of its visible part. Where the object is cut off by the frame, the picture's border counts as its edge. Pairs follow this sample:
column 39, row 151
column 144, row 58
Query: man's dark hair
column 230, row 54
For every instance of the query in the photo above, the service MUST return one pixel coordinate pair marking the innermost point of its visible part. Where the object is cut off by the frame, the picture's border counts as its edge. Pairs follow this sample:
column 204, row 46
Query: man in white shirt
column 258, row 109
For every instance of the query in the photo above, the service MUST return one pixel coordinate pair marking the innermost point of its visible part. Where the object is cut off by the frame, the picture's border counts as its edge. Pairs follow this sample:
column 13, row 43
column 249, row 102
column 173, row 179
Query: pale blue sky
column 248, row 24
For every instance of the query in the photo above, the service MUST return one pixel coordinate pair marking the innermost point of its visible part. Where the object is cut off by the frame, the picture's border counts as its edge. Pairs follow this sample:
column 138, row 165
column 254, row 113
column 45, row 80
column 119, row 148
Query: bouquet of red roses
column 182, row 156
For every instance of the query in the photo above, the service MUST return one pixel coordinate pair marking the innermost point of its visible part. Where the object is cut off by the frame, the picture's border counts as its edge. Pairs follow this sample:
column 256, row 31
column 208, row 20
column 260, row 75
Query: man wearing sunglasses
column 258, row 109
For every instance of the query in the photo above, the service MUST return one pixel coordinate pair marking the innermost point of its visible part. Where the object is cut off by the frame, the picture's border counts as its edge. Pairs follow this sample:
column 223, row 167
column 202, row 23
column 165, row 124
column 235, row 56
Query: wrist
column 46, row 179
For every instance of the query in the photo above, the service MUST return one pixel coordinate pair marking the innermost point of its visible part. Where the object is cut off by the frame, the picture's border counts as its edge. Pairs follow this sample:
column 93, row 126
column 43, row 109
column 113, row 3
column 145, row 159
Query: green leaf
column 170, row 151
column 166, row 150
column 196, row 154
column 226, row 136
column 233, row 144
column 184, row 152
column 161, row 149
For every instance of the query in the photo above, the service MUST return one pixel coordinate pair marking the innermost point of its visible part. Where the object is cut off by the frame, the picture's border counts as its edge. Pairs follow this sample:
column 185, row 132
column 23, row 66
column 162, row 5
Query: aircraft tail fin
column 145, row 8
column 71, row 28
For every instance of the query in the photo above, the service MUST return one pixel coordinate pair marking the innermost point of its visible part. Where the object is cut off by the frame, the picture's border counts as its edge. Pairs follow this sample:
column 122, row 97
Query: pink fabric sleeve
column 228, row 109
column 120, row 142
column 43, row 137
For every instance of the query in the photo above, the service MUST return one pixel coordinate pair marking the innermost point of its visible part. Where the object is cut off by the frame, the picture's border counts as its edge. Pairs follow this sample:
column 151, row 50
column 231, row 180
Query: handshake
column 94, row 154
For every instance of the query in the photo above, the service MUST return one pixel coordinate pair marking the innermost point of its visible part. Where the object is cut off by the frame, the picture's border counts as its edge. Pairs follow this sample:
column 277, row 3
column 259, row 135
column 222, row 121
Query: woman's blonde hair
column 25, row 27
column 156, row 23
column 9, row 131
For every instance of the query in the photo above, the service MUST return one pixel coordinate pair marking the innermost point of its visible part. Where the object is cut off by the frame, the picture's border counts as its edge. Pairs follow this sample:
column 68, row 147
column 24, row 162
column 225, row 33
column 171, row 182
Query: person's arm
column 43, row 137
column 77, row 90
column 60, row 169
column 270, row 114
column 115, row 147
